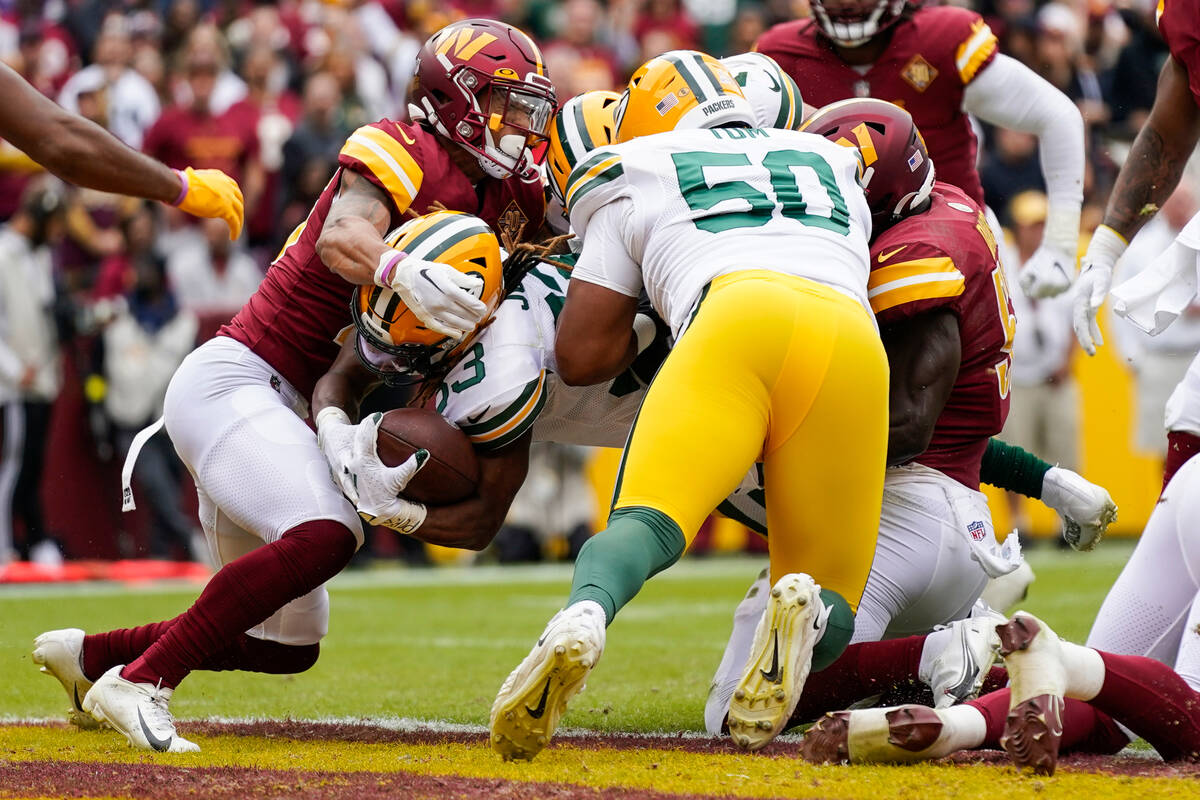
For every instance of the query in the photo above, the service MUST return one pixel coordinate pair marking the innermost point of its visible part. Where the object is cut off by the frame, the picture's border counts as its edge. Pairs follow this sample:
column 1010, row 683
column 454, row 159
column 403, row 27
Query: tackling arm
column 351, row 241
column 924, row 354
column 596, row 340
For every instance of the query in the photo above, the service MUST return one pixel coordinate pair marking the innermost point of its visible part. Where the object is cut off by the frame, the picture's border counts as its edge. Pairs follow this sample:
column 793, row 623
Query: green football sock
column 838, row 630
column 612, row 566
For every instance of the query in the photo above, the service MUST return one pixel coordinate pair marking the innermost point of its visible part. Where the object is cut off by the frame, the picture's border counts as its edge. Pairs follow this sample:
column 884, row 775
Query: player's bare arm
column 1156, row 161
column 595, row 340
column 474, row 522
column 924, row 354
column 351, row 240
column 345, row 384
column 81, row 152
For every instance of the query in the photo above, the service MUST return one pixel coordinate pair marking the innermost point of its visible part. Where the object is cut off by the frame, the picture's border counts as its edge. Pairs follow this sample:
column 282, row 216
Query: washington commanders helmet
column 392, row 343
column 585, row 122
column 677, row 90
column 477, row 76
column 851, row 23
column 897, row 170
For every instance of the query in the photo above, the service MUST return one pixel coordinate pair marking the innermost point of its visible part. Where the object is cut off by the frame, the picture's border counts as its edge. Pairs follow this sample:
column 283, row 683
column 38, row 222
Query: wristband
column 1062, row 226
column 330, row 412
column 1106, row 246
column 183, row 191
column 643, row 331
column 387, row 267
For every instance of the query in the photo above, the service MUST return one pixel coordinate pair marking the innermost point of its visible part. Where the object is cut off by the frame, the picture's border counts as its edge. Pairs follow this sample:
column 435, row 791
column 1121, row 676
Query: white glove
column 335, row 436
column 1086, row 509
column 1048, row 272
column 377, row 487
column 444, row 299
column 1093, row 284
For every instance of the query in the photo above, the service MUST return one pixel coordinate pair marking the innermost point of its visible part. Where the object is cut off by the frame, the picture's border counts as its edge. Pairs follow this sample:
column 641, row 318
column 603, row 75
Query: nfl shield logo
column 977, row 530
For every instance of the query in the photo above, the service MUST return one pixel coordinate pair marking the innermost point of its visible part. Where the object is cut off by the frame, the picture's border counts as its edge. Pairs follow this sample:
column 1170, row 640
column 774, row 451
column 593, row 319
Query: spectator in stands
column 142, row 345
column 209, row 275
column 1158, row 362
column 132, row 102
column 1134, row 78
column 1043, row 415
column 310, row 155
column 1059, row 58
column 579, row 58
column 30, row 374
column 1009, row 166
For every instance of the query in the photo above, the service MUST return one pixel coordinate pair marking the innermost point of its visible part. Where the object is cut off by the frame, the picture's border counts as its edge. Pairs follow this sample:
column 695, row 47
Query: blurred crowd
column 102, row 296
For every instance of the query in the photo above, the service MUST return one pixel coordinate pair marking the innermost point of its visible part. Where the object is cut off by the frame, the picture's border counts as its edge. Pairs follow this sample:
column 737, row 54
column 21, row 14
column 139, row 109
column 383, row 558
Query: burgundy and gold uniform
column 946, row 258
column 933, row 54
column 294, row 320
column 1179, row 24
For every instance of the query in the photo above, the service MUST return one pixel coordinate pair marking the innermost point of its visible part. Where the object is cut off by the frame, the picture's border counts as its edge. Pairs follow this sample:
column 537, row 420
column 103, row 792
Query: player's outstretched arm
column 924, row 354
column 1147, row 178
column 596, row 340
column 81, row 152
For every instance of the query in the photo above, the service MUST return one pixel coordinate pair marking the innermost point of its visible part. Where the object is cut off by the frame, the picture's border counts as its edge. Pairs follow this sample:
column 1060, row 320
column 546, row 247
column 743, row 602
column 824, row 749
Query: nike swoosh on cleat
column 75, row 692
column 774, row 674
column 970, row 668
column 821, row 617
column 536, row 713
column 161, row 745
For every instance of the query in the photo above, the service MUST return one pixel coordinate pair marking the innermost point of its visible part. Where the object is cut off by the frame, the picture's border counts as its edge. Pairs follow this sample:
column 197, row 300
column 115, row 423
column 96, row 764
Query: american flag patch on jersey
column 977, row 530
column 914, row 161
column 666, row 104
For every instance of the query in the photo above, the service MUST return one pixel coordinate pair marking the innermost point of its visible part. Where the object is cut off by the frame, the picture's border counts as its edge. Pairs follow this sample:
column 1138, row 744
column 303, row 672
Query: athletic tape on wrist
column 1106, row 246
column 330, row 412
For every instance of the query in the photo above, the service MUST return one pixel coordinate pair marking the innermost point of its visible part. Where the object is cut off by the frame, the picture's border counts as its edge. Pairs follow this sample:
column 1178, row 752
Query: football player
column 235, row 409
column 939, row 295
column 80, row 151
column 707, row 216
column 1066, row 697
column 940, row 63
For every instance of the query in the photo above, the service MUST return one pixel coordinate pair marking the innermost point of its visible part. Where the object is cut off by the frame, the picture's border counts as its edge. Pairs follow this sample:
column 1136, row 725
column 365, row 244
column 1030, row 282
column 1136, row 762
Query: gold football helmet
column 680, row 89
column 585, row 122
column 391, row 341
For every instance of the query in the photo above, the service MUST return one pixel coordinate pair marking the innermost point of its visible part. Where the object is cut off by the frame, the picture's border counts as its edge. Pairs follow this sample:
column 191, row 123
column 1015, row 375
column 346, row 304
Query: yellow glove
column 211, row 193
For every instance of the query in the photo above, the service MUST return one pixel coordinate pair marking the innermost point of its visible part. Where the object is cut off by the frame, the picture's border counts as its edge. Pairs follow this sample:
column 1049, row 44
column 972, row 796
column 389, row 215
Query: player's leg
column 824, row 466
column 700, row 427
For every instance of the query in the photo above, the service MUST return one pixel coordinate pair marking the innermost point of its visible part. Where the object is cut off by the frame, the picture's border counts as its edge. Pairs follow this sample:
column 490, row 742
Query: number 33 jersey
column 672, row 211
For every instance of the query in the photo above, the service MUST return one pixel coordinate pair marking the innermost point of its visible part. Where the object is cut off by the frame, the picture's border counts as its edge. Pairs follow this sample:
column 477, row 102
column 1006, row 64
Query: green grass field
column 435, row 644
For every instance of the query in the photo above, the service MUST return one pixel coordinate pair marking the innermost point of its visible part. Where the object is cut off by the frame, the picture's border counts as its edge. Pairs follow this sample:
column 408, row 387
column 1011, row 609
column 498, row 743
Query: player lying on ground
column 236, row 408
column 1120, row 683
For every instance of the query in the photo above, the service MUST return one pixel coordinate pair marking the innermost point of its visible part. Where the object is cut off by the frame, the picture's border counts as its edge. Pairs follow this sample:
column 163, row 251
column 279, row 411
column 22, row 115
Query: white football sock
column 1085, row 671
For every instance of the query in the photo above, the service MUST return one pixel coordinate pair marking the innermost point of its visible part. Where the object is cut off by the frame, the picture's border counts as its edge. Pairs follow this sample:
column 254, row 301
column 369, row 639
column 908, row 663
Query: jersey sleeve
column 377, row 152
column 494, row 395
column 975, row 50
column 908, row 280
column 605, row 260
column 595, row 182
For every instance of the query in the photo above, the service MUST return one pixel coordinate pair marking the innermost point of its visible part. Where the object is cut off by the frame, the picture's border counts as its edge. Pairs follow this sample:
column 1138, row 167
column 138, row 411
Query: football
column 452, row 473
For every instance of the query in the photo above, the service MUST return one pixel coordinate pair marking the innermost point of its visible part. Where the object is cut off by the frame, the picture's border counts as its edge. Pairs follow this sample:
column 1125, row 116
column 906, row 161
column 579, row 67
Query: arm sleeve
column 1011, row 95
column 605, row 260
column 1007, row 466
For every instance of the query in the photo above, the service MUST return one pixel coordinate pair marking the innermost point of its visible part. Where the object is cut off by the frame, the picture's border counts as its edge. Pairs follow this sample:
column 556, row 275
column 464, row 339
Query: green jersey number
column 701, row 195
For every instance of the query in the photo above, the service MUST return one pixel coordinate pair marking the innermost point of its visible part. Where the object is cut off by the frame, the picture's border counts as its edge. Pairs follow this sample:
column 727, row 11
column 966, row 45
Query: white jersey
column 1183, row 406
column 772, row 93
column 672, row 211
column 507, row 383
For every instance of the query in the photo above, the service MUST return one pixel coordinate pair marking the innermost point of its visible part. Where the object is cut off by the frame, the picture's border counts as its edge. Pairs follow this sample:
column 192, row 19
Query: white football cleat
column 737, row 652
column 958, row 672
column 138, row 711
column 895, row 735
column 1037, row 682
column 534, row 696
column 779, row 662
column 60, row 655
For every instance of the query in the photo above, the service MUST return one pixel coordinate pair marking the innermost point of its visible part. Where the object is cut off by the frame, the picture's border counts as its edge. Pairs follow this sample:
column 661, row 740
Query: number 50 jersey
column 674, row 210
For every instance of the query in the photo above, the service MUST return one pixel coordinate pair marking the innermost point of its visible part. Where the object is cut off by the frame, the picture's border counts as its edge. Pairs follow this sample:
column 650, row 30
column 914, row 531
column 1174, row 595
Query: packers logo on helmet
column 678, row 90
column 585, row 122
column 391, row 341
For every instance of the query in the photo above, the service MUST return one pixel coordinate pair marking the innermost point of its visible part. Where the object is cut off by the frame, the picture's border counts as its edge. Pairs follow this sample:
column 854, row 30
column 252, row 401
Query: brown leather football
column 452, row 473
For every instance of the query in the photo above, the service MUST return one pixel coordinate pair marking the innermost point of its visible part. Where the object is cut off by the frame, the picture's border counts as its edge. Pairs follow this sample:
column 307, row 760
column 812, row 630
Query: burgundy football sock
column 242, row 594
column 864, row 669
column 103, row 651
column 249, row 654
column 997, row 679
column 1180, row 447
column 1154, row 702
column 1085, row 729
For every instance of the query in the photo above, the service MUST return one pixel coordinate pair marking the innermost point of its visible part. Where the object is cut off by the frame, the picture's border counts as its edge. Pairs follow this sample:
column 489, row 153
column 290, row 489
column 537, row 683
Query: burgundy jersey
column 932, row 56
column 946, row 258
column 1179, row 24
column 295, row 319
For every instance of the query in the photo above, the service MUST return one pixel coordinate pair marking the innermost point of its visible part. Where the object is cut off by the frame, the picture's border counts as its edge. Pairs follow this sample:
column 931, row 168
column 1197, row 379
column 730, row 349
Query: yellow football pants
column 788, row 371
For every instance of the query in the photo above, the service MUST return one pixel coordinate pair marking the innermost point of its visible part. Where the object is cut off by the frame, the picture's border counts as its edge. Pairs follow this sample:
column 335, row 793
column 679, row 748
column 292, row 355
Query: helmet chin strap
column 503, row 162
